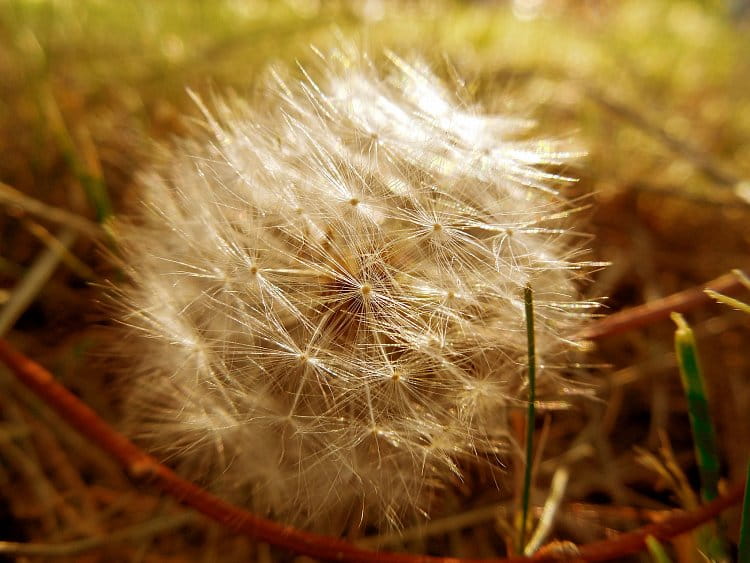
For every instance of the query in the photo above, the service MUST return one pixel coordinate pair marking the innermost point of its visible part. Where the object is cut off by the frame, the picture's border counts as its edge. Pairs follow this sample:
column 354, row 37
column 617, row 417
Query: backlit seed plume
column 326, row 292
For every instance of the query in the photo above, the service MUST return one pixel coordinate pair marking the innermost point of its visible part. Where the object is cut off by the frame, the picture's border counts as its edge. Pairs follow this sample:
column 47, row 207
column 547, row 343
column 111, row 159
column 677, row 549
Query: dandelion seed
column 325, row 292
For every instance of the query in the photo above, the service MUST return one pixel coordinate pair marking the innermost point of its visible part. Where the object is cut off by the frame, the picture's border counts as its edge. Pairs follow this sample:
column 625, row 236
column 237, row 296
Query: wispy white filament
column 326, row 290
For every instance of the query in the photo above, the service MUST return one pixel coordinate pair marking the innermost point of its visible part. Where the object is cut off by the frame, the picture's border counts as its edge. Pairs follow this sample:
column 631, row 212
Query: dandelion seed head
column 325, row 292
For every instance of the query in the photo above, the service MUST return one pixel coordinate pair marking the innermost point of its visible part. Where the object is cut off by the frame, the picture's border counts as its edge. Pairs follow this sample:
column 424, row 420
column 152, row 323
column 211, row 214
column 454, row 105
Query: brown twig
column 140, row 465
column 76, row 547
column 673, row 526
column 12, row 197
column 659, row 309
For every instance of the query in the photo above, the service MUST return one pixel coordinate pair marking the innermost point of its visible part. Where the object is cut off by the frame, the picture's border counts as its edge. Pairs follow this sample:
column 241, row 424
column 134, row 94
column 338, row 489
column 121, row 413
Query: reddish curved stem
column 676, row 524
column 659, row 309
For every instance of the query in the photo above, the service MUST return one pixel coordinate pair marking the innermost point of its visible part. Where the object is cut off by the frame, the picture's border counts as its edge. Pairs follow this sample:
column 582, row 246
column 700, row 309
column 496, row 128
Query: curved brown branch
column 140, row 465
column 659, row 309
column 676, row 524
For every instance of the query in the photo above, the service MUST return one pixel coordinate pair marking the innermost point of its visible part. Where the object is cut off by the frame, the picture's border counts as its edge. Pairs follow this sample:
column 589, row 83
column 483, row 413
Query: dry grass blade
column 547, row 520
column 10, row 196
column 34, row 280
column 726, row 300
column 76, row 547
column 435, row 527
column 71, row 260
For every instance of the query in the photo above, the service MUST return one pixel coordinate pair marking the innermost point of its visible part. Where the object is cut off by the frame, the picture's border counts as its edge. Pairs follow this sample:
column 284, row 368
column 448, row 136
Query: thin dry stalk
column 34, row 280
column 76, row 547
column 12, row 197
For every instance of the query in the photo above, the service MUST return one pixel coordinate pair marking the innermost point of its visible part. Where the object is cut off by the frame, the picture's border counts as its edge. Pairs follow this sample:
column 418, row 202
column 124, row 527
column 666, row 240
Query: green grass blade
column 528, row 298
column 704, row 436
column 84, row 170
column 743, row 555
column 96, row 192
column 657, row 551
column 709, row 538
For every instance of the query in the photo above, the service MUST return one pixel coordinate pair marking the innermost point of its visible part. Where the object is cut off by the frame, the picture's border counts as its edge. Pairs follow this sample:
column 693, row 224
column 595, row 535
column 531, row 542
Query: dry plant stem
column 679, row 523
column 551, row 506
column 27, row 290
column 13, row 197
column 659, row 309
column 76, row 547
column 71, row 260
column 141, row 465
column 76, row 492
column 435, row 527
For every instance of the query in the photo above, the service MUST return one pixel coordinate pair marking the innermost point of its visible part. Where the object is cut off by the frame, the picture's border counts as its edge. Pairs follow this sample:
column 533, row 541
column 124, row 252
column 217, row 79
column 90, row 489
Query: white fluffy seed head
column 326, row 292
